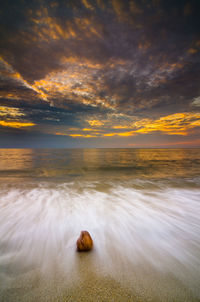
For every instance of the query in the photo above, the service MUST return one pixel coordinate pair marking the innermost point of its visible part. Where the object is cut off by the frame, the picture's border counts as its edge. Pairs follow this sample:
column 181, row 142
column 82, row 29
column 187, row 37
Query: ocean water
column 141, row 207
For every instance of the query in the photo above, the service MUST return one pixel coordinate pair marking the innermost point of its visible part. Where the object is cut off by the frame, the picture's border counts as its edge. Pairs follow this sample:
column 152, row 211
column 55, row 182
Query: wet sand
column 90, row 283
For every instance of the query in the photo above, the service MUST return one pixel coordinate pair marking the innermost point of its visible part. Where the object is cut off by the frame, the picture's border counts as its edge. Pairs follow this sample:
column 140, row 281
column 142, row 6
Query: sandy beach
column 145, row 227
column 145, row 285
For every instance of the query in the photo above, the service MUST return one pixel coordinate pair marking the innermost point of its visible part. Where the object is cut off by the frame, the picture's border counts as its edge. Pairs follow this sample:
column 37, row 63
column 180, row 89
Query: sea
column 140, row 206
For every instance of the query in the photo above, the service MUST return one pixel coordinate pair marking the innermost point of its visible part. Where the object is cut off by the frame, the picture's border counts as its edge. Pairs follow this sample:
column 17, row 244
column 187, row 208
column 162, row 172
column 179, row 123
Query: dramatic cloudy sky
column 104, row 73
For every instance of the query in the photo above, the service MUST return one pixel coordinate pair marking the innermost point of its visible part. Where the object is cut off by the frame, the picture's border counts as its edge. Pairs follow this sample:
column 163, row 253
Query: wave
column 130, row 228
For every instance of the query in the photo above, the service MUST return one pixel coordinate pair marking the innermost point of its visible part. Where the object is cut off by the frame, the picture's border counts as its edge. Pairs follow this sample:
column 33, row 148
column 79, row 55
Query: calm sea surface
column 141, row 207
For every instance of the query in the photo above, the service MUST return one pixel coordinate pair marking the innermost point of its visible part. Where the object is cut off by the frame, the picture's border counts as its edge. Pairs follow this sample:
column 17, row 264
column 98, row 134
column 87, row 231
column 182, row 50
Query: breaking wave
column 131, row 227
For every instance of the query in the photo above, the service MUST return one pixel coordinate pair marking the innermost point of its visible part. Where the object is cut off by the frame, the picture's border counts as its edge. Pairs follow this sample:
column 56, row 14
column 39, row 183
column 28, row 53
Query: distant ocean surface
column 141, row 207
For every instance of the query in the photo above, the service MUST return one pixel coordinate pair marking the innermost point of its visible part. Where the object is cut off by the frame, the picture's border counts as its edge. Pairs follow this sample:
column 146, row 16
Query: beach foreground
column 143, row 285
column 140, row 207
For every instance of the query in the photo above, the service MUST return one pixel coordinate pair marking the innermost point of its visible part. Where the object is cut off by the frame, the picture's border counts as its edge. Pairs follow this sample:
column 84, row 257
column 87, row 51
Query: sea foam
column 130, row 227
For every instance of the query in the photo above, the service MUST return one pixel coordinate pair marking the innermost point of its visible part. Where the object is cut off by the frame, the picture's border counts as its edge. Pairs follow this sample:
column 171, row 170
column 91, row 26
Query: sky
column 104, row 73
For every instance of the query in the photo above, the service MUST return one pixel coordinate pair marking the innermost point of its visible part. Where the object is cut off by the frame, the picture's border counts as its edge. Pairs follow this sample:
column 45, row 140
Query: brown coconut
column 84, row 242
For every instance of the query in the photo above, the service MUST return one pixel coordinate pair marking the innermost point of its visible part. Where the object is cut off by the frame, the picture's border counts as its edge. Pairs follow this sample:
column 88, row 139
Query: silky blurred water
column 141, row 207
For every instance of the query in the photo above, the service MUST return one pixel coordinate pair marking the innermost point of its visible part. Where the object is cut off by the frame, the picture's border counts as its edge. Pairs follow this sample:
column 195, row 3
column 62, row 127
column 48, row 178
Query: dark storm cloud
column 64, row 63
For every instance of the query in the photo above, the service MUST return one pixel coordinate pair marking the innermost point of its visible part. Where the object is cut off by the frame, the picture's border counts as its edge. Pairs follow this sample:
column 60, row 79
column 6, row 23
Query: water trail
column 130, row 228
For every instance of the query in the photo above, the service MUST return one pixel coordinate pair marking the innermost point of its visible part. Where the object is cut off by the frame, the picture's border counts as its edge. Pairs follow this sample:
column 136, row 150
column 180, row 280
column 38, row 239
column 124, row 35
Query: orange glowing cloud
column 10, row 111
column 87, row 4
column 192, row 50
column 121, row 127
column 82, row 135
column 9, row 72
column 174, row 124
column 90, row 129
column 77, row 135
column 128, row 133
column 16, row 124
column 75, row 84
column 10, row 116
column 95, row 123
column 47, row 28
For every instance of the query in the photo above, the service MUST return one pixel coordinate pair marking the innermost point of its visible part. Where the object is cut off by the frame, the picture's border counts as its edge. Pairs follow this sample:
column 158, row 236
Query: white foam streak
column 39, row 228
